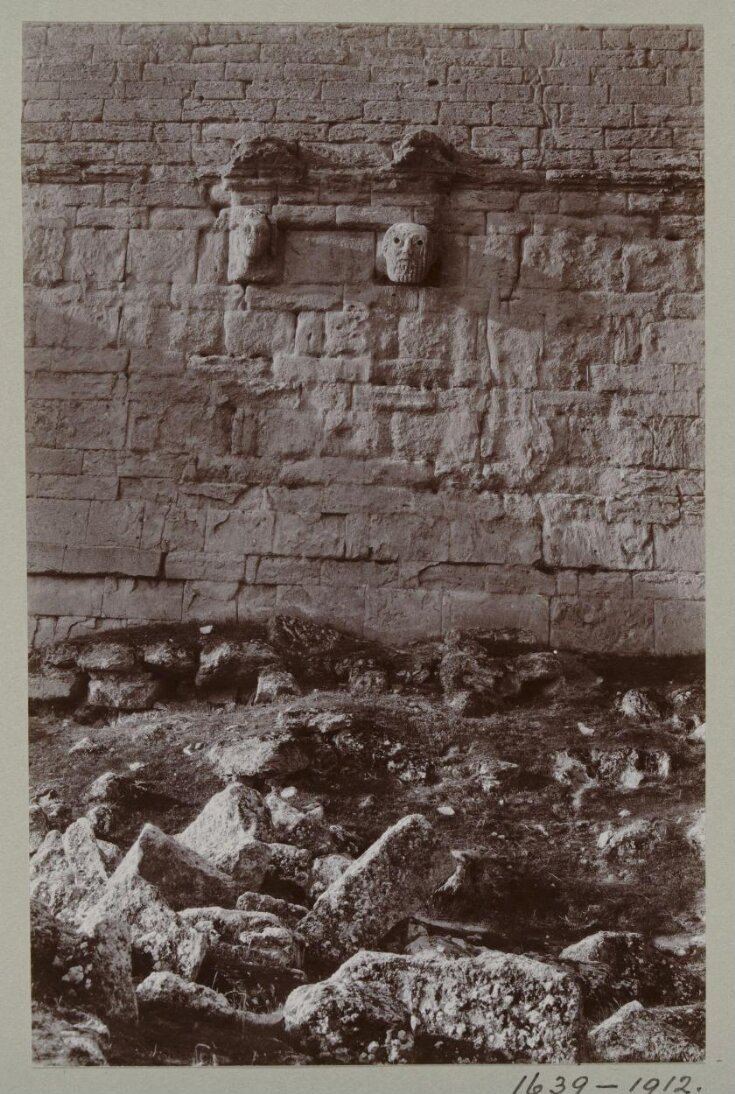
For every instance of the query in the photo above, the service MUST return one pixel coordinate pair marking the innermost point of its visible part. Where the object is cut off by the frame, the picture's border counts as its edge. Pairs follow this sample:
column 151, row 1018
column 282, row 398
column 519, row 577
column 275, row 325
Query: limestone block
column 450, row 335
column 239, row 533
column 499, row 1006
column 494, row 542
column 307, row 535
column 338, row 606
column 161, row 255
column 674, row 341
column 679, row 627
column 393, row 877
column 121, row 691
column 258, row 334
column 65, row 596
column 402, row 615
column 571, row 260
column 680, row 547
column 493, row 611
column 289, row 433
column 111, row 560
column 210, row 600
column 57, row 521
column 92, row 424
column 622, row 546
column 138, row 598
column 662, row 265
column 43, row 252
column 328, row 257
column 96, row 255
column 602, row 624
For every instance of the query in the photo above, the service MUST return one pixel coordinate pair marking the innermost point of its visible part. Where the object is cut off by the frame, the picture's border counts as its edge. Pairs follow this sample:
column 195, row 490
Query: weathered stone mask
column 250, row 242
column 408, row 253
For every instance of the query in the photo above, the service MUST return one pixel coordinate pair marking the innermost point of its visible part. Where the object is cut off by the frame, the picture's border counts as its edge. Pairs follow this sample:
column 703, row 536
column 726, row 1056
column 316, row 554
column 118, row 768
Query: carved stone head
column 250, row 242
column 408, row 253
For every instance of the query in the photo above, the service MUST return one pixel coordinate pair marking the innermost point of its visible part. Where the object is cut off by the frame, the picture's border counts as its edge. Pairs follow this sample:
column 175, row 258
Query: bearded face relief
column 408, row 253
column 250, row 244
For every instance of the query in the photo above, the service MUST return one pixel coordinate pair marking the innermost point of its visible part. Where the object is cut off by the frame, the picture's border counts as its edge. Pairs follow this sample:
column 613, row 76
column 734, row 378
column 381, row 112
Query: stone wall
column 516, row 443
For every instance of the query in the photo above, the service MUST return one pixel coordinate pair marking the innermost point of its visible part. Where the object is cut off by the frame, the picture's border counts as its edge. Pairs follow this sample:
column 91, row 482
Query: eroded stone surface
column 390, row 880
column 498, row 1006
column 229, row 833
column 636, row 1034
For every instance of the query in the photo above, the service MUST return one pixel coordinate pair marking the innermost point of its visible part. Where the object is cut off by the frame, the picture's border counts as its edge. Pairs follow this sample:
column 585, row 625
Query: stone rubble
column 501, row 1007
column 263, row 923
column 392, row 879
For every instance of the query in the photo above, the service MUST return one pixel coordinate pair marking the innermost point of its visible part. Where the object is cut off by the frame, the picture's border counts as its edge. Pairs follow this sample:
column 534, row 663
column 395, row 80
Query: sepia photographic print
column 365, row 500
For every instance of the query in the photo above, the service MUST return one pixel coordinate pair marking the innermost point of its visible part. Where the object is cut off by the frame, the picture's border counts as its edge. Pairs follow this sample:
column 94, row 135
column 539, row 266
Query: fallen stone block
column 116, row 691
column 230, row 663
column 169, row 996
column 636, row 1034
column 87, row 969
column 622, row 966
column 390, row 881
column 325, row 870
column 68, row 1038
column 68, row 872
column 230, row 832
column 498, row 1007
column 638, row 706
column 275, row 684
column 272, row 946
column 157, row 878
column 105, row 656
column 227, row 924
column 183, row 878
column 57, row 687
column 266, row 755
column 173, row 997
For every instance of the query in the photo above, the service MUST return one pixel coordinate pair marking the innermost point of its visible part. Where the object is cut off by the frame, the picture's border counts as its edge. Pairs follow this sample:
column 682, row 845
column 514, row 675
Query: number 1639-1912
column 676, row 1084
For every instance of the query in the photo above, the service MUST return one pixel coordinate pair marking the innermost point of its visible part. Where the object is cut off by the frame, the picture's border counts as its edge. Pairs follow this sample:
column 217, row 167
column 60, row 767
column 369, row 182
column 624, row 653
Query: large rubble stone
column 498, row 1007
column 275, row 755
column 624, row 965
column 88, row 969
column 106, row 655
column 121, row 691
column 635, row 1034
column 227, row 924
column 156, row 878
column 229, row 833
column 392, row 879
column 183, row 878
column 68, row 1038
column 54, row 687
column 230, row 663
column 274, row 684
column 173, row 996
column 69, row 871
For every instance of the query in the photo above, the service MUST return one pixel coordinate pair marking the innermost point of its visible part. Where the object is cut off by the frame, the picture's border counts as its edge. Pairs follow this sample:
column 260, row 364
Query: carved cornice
column 421, row 164
column 266, row 159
